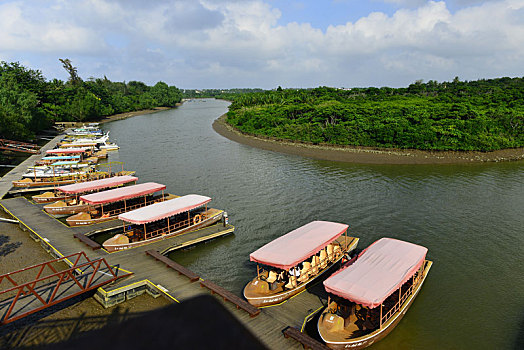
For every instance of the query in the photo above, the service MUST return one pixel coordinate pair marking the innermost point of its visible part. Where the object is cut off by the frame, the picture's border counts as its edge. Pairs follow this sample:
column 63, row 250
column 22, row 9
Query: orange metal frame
column 74, row 273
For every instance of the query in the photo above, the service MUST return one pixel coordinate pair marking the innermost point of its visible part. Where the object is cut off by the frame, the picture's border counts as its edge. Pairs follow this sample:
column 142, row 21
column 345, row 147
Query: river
column 469, row 216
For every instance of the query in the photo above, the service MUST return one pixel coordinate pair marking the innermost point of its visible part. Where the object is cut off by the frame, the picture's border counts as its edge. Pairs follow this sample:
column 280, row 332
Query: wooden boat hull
column 23, row 184
column 91, row 221
column 277, row 298
column 86, row 177
column 43, row 200
column 204, row 223
column 368, row 340
column 66, row 209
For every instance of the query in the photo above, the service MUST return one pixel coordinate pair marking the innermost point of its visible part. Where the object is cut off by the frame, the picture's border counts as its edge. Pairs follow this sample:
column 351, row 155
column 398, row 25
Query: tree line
column 482, row 115
column 29, row 103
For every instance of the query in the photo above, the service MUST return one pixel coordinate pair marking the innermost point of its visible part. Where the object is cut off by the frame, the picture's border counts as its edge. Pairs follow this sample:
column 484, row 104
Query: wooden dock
column 154, row 276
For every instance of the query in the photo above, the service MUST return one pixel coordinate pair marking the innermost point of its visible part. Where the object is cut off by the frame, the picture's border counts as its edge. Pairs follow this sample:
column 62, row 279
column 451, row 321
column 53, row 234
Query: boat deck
column 152, row 276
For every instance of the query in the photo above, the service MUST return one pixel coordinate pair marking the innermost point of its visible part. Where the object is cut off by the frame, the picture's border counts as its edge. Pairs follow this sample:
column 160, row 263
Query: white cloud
column 220, row 43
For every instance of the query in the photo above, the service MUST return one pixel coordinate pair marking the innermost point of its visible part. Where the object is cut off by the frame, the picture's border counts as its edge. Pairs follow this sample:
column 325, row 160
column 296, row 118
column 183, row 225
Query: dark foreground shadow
column 198, row 323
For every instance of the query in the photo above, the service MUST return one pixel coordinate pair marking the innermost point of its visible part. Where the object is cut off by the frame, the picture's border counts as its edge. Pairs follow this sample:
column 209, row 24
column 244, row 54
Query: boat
column 109, row 146
column 107, row 205
column 163, row 220
column 66, row 198
column 316, row 246
column 53, row 159
column 370, row 294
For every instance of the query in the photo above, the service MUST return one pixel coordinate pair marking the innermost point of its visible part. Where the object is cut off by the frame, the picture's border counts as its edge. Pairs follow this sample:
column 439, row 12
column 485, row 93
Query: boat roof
column 69, row 162
column 161, row 210
column 120, row 194
column 66, row 150
column 78, row 144
column 298, row 245
column 60, row 157
column 97, row 184
column 377, row 272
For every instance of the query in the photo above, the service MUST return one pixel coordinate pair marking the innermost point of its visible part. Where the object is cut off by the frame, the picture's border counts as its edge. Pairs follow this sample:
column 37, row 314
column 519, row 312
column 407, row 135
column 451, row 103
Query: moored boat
column 107, row 205
column 163, row 220
column 316, row 246
column 369, row 296
column 67, row 199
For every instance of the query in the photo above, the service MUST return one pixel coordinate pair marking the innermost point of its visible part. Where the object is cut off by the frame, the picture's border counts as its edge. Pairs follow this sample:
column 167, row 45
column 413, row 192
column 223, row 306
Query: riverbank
column 364, row 155
column 125, row 115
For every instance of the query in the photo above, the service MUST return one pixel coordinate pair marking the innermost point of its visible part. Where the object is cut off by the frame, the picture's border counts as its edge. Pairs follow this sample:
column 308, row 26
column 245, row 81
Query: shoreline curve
column 365, row 155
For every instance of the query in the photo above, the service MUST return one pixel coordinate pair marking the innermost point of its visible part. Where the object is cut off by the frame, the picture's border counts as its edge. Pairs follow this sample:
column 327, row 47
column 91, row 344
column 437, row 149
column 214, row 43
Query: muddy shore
column 364, row 155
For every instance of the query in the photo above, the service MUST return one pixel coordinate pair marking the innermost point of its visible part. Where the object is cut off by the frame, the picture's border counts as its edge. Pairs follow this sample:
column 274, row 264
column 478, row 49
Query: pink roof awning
column 377, row 272
column 66, row 150
column 298, row 245
column 164, row 209
column 90, row 186
column 120, row 194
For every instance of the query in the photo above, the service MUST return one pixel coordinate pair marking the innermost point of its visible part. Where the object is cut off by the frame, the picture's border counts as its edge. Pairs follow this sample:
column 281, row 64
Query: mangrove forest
column 29, row 103
column 481, row 115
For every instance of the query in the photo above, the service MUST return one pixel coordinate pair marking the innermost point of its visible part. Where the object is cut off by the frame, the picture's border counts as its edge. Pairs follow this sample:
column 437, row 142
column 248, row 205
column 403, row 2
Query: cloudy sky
column 267, row 43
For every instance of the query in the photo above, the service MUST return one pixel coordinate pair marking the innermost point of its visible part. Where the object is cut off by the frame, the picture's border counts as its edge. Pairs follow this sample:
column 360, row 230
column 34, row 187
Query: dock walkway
column 150, row 275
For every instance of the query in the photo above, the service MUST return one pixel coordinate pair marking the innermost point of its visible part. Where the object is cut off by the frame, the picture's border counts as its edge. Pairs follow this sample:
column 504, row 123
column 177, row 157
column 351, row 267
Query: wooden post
column 125, row 205
column 258, row 272
column 162, row 195
column 168, row 227
column 145, row 231
column 399, row 295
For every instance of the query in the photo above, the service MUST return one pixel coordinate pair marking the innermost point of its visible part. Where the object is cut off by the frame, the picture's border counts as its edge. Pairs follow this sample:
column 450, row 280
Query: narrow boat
column 107, row 205
column 316, row 246
column 369, row 296
column 53, row 159
column 66, row 198
column 163, row 220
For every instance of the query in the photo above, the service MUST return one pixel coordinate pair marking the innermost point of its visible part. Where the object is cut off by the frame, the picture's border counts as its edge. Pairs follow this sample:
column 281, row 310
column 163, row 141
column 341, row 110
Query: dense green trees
column 479, row 115
column 29, row 103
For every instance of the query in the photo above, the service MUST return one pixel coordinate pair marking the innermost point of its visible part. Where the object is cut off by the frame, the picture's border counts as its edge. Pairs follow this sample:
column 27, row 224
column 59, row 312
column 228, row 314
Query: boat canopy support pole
column 380, row 316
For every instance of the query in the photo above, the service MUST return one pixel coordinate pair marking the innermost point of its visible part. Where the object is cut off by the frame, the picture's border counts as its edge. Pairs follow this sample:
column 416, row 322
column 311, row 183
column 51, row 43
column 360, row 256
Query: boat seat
column 315, row 262
column 292, row 282
column 323, row 259
column 272, row 277
column 330, row 252
column 337, row 250
column 306, row 271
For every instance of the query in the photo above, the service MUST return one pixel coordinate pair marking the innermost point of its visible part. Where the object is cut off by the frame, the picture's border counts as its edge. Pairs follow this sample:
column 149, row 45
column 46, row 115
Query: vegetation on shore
column 29, row 103
column 481, row 115
column 222, row 94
